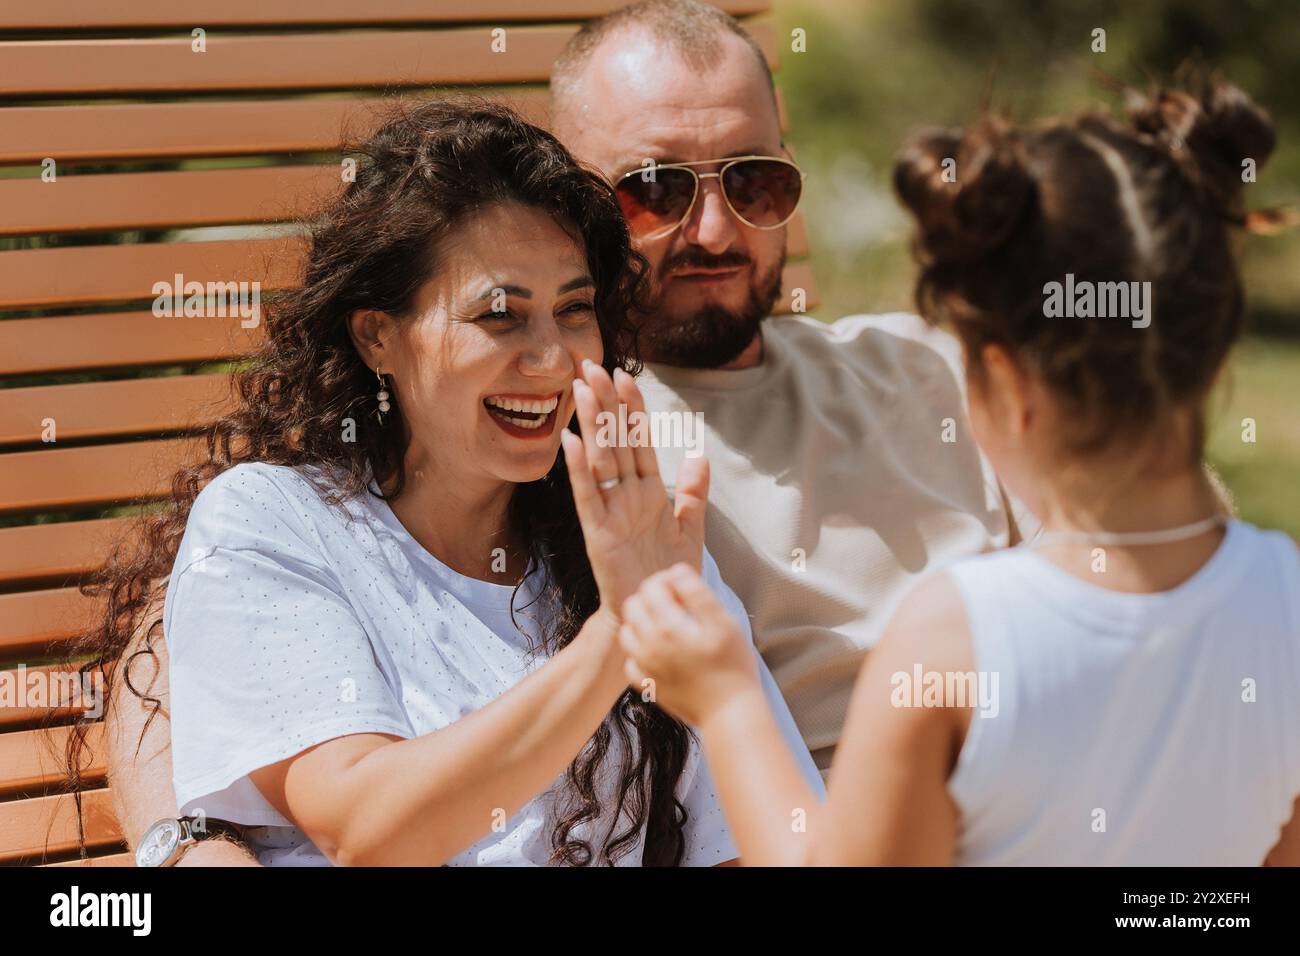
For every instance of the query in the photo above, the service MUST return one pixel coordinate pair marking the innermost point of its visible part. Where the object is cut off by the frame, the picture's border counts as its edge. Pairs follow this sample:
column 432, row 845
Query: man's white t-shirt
column 842, row 470
column 290, row 622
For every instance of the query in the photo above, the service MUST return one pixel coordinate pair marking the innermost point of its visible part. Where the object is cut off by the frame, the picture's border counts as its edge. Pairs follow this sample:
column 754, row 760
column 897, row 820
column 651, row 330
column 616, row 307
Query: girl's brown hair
column 1148, row 200
column 421, row 175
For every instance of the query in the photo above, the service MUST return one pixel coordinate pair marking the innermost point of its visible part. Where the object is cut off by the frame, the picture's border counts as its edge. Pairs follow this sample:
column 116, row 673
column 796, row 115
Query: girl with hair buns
column 1124, row 689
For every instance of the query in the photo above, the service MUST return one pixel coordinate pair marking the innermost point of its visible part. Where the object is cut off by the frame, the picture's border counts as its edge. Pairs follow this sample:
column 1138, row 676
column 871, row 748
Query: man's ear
column 370, row 330
column 1009, row 392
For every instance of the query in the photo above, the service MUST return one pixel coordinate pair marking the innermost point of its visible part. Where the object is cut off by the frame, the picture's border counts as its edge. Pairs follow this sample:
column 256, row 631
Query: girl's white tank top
column 1132, row 729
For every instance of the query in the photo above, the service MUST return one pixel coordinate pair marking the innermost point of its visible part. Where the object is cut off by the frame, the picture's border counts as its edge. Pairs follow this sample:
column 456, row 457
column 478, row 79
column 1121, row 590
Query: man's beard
column 709, row 336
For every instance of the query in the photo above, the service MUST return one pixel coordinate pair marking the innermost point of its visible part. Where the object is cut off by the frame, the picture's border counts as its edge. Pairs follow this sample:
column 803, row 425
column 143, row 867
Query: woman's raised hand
column 631, row 528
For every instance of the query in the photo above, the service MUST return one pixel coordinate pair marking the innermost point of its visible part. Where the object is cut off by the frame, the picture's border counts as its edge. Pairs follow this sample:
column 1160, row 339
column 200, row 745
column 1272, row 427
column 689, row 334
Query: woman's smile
column 523, row 415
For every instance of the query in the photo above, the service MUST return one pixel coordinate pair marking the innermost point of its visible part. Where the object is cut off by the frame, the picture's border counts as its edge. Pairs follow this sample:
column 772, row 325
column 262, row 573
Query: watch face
column 158, row 844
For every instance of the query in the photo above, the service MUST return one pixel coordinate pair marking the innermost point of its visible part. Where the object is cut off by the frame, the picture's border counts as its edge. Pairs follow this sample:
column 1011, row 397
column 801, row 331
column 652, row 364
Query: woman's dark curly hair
column 418, row 179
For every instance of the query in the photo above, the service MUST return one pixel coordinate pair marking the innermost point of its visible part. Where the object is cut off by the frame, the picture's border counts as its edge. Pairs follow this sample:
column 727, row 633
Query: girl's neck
column 1101, row 503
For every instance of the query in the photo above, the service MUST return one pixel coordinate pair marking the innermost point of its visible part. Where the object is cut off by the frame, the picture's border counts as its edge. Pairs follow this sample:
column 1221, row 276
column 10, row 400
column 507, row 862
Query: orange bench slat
column 210, row 197
column 118, row 340
column 36, row 713
column 94, row 476
column 299, row 61
column 84, row 275
column 35, row 624
column 33, row 760
column 124, row 408
column 302, row 61
column 133, row 131
column 136, row 131
column 33, row 830
column 95, row 14
column 57, row 551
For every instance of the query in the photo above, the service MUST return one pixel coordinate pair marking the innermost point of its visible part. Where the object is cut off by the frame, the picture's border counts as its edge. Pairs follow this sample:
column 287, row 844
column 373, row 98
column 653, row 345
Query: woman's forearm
column 423, row 800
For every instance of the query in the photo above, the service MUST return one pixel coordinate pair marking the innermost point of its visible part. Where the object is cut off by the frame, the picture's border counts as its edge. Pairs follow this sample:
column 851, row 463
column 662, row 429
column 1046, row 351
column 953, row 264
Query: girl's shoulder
column 930, row 625
column 1270, row 540
column 1271, row 560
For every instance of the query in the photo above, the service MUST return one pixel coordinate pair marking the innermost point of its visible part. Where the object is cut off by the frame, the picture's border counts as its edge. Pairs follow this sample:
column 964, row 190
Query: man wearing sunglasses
column 842, row 466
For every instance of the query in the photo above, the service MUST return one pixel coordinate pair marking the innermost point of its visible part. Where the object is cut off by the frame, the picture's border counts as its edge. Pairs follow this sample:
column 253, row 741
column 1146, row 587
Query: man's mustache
column 697, row 259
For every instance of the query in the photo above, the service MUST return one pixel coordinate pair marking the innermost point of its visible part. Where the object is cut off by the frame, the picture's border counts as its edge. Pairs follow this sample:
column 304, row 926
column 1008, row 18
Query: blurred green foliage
column 875, row 71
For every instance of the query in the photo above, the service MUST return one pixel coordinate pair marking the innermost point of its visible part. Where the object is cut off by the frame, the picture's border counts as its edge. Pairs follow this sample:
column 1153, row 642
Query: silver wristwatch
column 166, row 841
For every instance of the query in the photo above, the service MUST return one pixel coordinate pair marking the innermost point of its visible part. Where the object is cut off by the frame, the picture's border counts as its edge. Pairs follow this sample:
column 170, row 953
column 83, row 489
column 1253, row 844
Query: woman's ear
column 1008, row 392
column 369, row 330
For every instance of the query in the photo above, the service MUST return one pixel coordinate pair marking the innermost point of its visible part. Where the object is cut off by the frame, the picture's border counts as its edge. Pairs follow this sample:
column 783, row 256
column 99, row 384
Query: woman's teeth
column 533, row 411
column 525, row 422
column 538, row 407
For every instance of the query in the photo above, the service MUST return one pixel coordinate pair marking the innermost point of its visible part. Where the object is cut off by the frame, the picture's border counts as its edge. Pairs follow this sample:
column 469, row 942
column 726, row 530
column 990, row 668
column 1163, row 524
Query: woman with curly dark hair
column 391, row 604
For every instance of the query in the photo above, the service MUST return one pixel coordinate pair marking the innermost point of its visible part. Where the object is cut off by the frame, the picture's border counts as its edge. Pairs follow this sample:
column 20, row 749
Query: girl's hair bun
column 966, row 188
column 1211, row 128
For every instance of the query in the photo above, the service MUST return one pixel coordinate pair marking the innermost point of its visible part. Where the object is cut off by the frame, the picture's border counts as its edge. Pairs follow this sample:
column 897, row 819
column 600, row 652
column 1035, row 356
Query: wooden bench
column 145, row 137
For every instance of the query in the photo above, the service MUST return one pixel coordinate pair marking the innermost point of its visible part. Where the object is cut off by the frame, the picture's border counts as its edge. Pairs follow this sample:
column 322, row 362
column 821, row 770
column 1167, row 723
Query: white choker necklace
column 1122, row 538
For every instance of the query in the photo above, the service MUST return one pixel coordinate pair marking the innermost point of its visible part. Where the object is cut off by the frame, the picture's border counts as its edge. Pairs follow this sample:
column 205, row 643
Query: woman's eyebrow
column 515, row 290
column 581, row 282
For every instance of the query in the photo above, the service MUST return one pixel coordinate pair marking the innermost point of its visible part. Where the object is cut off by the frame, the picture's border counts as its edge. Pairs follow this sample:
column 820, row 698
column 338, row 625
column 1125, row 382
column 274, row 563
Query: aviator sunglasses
column 761, row 191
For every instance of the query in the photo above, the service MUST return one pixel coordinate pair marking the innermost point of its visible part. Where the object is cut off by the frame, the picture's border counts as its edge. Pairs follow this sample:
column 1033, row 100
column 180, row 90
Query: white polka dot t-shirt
column 290, row 622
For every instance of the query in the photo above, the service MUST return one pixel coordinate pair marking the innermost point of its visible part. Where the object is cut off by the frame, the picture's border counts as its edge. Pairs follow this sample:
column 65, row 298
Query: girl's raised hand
column 684, row 648
column 631, row 528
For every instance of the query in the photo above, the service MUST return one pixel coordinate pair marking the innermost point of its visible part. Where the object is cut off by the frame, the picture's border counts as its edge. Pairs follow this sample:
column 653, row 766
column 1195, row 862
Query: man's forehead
column 641, row 101
column 686, row 135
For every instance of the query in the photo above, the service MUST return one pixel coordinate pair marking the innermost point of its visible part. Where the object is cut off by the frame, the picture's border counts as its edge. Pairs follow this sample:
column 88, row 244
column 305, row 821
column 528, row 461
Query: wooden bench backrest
column 131, row 117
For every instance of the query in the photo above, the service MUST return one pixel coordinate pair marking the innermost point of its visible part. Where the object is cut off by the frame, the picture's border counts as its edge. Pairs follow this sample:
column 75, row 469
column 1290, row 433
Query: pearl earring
column 382, row 396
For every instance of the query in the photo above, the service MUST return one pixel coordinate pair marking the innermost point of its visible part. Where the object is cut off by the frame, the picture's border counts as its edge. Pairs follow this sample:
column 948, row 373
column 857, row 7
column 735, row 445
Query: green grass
column 1262, row 383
